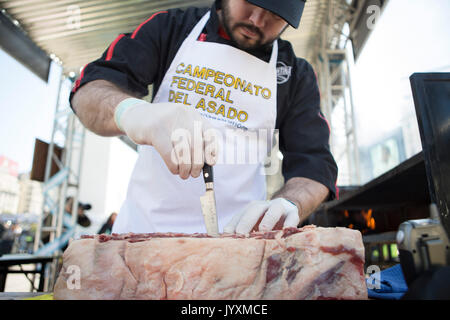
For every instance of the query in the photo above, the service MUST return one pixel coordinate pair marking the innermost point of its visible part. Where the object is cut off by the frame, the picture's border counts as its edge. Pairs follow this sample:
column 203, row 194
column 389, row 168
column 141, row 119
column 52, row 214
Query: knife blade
column 208, row 203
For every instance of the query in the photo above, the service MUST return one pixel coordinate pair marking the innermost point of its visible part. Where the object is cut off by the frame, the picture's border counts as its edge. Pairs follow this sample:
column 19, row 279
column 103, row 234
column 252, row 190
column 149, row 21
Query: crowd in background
column 17, row 232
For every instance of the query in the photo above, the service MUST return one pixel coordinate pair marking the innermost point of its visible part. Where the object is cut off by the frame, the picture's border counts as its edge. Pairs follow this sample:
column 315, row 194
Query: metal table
column 22, row 295
column 9, row 260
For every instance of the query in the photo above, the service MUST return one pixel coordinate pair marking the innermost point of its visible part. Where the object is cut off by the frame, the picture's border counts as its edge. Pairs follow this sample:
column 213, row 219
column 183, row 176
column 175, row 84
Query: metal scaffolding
column 332, row 65
column 59, row 225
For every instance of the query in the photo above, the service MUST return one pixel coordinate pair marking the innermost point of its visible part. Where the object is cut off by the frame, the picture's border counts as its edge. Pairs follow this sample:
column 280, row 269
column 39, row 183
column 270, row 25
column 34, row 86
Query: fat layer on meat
column 306, row 263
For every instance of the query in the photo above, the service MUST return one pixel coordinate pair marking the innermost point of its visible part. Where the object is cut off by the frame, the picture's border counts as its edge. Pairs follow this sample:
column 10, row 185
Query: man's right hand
column 182, row 137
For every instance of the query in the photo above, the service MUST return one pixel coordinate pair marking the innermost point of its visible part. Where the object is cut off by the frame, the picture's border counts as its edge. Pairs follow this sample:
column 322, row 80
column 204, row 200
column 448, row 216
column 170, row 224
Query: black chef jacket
column 135, row 60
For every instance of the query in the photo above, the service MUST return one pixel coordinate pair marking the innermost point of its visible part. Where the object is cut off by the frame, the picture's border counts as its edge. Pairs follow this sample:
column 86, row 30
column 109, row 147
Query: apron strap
column 195, row 33
column 274, row 56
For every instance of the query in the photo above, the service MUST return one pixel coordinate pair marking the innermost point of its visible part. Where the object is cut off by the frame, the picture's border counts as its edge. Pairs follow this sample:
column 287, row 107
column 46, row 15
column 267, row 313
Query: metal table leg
column 42, row 277
column 3, row 274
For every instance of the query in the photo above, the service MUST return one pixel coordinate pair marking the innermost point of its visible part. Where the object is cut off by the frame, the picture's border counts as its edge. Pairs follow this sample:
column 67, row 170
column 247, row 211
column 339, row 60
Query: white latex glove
column 272, row 210
column 179, row 134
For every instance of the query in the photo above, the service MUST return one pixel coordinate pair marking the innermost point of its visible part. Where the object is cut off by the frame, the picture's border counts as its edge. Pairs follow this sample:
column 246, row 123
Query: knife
column 208, row 202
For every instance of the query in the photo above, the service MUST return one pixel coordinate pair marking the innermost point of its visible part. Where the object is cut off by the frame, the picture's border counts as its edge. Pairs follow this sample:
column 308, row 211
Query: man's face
column 250, row 26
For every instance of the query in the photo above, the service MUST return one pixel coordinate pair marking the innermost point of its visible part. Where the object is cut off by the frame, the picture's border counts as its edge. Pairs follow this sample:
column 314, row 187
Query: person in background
column 6, row 239
column 107, row 227
column 83, row 220
column 2, row 230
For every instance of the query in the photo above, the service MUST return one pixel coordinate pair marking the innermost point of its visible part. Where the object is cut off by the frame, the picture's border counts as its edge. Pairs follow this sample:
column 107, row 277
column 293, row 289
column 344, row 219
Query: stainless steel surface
column 208, row 203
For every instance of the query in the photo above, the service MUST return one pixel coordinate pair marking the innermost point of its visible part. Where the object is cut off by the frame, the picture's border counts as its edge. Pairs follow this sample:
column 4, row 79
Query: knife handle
column 208, row 173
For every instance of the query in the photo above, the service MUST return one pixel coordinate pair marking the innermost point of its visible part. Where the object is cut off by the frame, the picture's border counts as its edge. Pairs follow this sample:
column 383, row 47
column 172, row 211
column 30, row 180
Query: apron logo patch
column 283, row 72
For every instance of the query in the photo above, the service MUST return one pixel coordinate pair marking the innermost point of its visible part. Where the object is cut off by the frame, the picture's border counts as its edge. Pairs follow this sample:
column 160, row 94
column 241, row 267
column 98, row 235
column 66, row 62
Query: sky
column 27, row 109
column 411, row 36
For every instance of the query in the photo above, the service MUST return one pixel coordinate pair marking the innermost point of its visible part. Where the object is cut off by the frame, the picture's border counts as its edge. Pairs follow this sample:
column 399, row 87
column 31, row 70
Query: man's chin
column 248, row 44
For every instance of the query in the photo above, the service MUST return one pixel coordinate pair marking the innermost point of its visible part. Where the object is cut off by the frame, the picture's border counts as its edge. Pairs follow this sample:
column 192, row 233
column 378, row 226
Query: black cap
column 289, row 10
column 84, row 206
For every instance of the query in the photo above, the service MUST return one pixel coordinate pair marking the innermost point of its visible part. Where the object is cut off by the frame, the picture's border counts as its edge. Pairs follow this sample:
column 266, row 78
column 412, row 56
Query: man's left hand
column 269, row 213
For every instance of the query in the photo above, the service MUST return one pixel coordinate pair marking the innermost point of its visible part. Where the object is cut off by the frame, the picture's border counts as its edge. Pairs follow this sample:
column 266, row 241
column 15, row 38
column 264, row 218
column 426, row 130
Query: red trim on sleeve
column 111, row 47
column 78, row 81
column 323, row 117
column 317, row 82
column 140, row 26
column 337, row 190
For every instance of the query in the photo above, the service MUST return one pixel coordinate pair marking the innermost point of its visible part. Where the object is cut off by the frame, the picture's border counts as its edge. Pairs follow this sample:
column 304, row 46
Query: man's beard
column 258, row 44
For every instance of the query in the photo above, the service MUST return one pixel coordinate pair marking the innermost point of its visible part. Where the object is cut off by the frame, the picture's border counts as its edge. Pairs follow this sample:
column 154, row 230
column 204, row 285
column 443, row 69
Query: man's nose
column 258, row 17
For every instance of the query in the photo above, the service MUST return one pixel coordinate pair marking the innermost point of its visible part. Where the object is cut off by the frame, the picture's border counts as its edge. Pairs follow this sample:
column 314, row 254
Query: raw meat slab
column 306, row 263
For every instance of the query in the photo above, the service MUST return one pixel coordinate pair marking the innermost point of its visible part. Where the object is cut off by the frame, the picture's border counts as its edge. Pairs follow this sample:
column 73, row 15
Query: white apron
column 157, row 200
